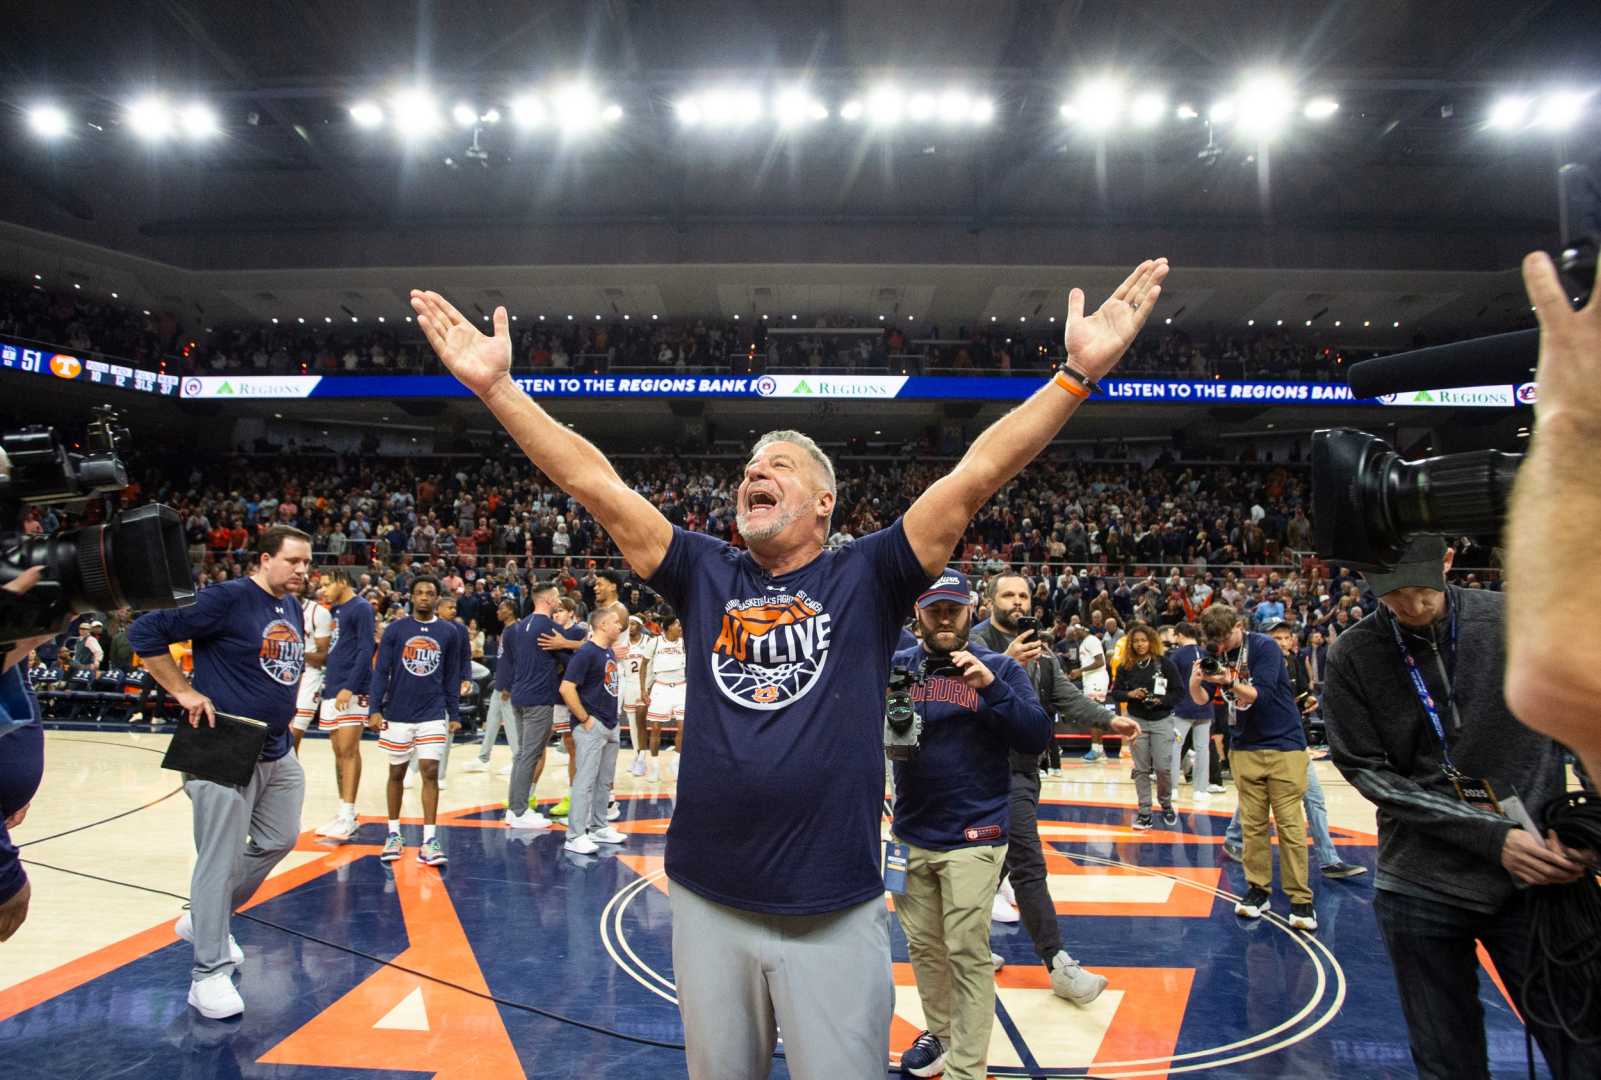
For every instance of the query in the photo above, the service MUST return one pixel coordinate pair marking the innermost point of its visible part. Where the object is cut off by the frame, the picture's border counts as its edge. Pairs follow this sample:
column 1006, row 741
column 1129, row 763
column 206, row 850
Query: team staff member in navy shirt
column 533, row 676
column 416, row 699
column 951, row 803
column 1267, row 755
column 347, row 674
column 21, row 761
column 591, row 686
column 774, row 848
column 249, row 653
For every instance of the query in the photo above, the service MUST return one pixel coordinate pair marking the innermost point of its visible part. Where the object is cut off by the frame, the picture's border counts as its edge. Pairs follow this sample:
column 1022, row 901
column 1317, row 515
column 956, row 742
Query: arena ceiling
column 279, row 211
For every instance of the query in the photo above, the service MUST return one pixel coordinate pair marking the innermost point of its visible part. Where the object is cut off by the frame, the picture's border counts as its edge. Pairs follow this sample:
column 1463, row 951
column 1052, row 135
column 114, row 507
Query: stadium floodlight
column 1221, row 112
column 415, row 113
column 954, row 107
column 528, row 111
column 1148, row 109
column 491, row 117
column 1098, row 105
column 48, row 121
column 1560, row 110
column 150, row 118
column 1264, row 103
column 851, row 110
column 689, row 113
column 983, row 111
column 921, row 106
column 791, row 108
column 885, row 106
column 730, row 108
column 464, row 114
column 576, row 107
column 1509, row 113
column 198, row 120
column 365, row 114
column 1321, row 108
column 611, row 113
column 1186, row 111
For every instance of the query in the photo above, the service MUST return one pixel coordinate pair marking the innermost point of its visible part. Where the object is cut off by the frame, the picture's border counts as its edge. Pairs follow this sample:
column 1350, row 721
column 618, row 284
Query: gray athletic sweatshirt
column 1433, row 845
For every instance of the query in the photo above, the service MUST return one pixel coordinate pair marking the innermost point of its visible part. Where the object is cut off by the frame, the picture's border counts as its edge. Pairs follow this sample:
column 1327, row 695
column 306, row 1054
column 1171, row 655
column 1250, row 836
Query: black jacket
column 1061, row 698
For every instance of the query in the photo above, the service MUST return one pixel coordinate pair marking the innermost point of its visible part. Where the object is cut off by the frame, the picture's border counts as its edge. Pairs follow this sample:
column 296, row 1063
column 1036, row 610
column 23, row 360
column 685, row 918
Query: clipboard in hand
column 225, row 754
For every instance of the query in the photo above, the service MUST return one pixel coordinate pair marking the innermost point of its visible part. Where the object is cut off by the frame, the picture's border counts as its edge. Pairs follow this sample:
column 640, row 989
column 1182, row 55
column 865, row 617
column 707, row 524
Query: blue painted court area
column 575, row 952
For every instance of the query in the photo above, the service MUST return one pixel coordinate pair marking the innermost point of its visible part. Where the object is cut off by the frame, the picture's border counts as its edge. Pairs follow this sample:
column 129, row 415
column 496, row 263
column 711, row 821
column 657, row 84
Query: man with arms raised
column 774, row 847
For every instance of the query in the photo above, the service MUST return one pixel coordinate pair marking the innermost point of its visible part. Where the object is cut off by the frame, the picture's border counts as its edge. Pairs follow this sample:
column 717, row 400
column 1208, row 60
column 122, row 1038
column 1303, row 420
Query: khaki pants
column 945, row 913
column 1273, row 779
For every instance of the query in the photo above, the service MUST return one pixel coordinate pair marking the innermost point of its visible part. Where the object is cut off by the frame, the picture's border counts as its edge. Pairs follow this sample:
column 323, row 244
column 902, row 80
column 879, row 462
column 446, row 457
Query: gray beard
column 779, row 523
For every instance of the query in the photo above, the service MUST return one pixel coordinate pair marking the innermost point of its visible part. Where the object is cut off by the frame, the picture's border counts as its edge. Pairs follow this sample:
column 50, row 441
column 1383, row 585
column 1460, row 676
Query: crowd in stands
column 582, row 344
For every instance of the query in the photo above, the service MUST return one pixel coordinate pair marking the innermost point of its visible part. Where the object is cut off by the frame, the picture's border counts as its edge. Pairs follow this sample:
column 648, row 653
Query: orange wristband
column 1070, row 386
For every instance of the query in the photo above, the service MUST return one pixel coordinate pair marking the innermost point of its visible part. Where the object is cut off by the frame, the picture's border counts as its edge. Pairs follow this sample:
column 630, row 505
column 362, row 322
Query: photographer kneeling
column 1418, row 724
column 951, row 817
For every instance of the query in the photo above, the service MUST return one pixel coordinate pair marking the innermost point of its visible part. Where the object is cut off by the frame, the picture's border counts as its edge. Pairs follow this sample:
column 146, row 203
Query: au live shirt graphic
column 421, row 655
column 614, row 678
column 282, row 653
column 771, row 649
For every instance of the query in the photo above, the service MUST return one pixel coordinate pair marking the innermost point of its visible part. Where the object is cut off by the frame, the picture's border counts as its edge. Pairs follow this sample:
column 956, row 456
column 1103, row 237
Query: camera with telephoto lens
column 1211, row 665
column 131, row 559
column 903, row 728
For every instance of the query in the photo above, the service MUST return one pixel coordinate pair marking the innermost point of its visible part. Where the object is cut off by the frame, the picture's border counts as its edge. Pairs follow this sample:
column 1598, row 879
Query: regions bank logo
column 420, row 655
column 282, row 656
column 771, row 650
column 66, row 367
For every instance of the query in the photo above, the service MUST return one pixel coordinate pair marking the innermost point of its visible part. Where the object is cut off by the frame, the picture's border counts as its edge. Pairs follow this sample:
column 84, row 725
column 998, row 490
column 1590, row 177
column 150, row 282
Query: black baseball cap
column 1421, row 565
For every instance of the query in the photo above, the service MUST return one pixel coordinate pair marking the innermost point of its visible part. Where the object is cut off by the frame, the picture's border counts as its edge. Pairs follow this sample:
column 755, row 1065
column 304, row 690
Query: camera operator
column 1267, row 755
column 951, row 801
column 1010, row 601
column 1418, row 724
column 21, row 765
column 1552, row 559
column 249, row 654
column 1190, row 718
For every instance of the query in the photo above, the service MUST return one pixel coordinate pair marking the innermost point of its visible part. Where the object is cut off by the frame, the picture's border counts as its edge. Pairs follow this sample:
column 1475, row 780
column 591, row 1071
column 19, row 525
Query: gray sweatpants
column 595, row 755
column 824, row 979
column 534, row 723
column 241, row 833
column 499, row 712
column 1153, row 753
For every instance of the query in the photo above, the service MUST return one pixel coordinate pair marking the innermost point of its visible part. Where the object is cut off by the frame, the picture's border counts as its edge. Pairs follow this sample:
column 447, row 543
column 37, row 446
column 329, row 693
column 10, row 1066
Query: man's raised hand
column 477, row 360
column 1096, row 343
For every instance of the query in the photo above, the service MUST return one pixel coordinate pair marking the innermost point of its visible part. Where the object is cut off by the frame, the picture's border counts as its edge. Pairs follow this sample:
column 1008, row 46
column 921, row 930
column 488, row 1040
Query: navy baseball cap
column 952, row 585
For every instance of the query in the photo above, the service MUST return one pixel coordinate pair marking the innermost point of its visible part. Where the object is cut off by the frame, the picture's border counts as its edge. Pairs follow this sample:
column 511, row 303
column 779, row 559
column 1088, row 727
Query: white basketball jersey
column 319, row 621
column 670, row 662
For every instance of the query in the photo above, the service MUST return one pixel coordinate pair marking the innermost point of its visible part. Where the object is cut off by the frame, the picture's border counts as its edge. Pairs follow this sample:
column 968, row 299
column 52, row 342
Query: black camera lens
column 1210, row 665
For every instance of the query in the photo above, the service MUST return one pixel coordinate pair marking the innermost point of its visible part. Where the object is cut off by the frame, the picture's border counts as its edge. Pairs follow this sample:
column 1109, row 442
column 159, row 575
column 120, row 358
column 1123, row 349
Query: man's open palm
column 478, row 360
column 1095, row 344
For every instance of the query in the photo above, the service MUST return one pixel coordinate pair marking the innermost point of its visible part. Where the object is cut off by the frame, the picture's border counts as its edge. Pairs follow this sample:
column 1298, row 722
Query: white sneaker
column 411, row 780
column 1001, row 911
column 608, row 835
column 185, row 929
column 215, row 997
column 528, row 819
column 581, row 845
column 653, row 771
column 475, row 765
column 1215, row 789
column 441, row 784
column 638, row 767
column 1072, row 982
column 614, row 811
column 1007, row 891
column 504, row 770
column 334, row 827
column 672, row 766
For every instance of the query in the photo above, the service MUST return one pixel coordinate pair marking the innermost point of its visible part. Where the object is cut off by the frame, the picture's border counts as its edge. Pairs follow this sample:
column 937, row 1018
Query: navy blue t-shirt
column 535, row 674
column 349, row 665
column 1185, row 708
column 249, row 651
column 21, row 766
column 1272, row 722
column 780, row 791
column 595, row 673
column 418, row 678
column 957, row 791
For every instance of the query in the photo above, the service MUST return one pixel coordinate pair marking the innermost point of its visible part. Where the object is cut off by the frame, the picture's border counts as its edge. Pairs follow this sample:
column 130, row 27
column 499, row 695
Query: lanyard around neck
column 1421, row 688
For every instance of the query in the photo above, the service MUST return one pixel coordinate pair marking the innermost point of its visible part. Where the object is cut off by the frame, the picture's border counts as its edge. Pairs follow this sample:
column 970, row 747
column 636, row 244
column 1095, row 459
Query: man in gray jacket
column 1009, row 598
column 1417, row 723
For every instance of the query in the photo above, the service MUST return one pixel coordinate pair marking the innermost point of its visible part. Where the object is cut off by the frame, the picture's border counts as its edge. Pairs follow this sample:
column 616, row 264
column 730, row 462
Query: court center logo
column 771, row 650
column 283, row 655
column 421, row 655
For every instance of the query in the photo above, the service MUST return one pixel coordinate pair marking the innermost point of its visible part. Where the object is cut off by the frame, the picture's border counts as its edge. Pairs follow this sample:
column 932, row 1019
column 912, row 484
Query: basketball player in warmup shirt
column 560, row 643
column 774, row 850
column 319, row 628
column 344, row 693
column 416, row 698
column 664, row 703
column 640, row 644
column 249, row 654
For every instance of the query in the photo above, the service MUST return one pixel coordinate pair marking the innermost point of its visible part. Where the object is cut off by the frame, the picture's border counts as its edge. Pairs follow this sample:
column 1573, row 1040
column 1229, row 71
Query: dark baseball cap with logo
column 952, row 585
column 1421, row 566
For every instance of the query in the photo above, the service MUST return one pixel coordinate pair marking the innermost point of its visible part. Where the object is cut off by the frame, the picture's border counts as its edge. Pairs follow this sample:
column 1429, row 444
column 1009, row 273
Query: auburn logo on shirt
column 283, row 654
column 420, row 655
column 614, row 678
column 770, row 650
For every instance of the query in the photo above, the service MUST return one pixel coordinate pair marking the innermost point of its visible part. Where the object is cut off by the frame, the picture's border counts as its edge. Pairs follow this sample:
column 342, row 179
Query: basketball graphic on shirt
column 770, row 650
column 421, row 655
column 282, row 655
column 614, row 678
